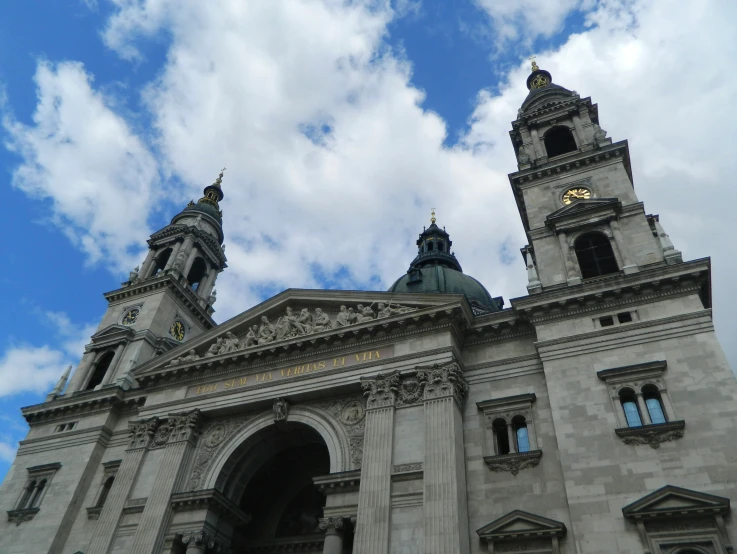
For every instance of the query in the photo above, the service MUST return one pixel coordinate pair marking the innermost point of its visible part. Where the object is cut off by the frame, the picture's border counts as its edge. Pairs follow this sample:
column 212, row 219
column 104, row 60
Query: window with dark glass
column 606, row 321
column 502, row 436
column 654, row 404
column 101, row 367
column 559, row 140
column 197, row 273
column 595, row 255
column 105, row 491
column 629, row 405
column 161, row 261
column 624, row 317
column 521, row 435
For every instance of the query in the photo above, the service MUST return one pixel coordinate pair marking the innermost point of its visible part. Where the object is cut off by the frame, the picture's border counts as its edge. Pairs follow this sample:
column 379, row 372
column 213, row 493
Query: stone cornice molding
column 338, row 483
column 507, row 403
column 513, row 463
column 21, row 516
column 167, row 281
column 380, row 390
column 82, row 402
column 637, row 371
column 213, row 499
column 653, row 434
column 584, row 213
column 175, row 232
column 99, row 434
column 673, row 502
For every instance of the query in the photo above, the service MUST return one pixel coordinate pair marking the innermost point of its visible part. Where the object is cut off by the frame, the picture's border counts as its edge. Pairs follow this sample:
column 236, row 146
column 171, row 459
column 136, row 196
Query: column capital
column 179, row 427
column 380, row 390
column 141, row 432
column 199, row 539
column 331, row 525
column 442, row 381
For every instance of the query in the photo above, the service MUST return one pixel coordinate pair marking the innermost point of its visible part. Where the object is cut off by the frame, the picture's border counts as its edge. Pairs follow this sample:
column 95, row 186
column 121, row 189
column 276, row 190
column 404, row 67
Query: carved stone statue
column 214, row 349
column 352, row 316
column 343, row 317
column 389, row 310
column 599, row 134
column 365, row 313
column 522, row 156
column 251, row 337
column 180, row 260
column 305, row 319
column 288, row 325
column 230, row 344
column 267, row 332
column 133, row 275
column 281, row 409
column 321, row 321
column 213, row 297
column 190, row 357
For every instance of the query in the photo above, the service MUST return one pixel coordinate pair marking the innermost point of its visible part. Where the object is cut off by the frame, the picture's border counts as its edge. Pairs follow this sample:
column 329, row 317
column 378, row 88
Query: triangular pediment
column 112, row 331
column 521, row 524
column 675, row 501
column 582, row 206
column 305, row 320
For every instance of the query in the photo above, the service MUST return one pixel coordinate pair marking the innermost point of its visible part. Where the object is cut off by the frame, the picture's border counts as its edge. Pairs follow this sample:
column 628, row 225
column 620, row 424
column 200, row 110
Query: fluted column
column 445, row 505
column 374, row 496
column 140, row 435
column 113, row 365
column 80, row 375
column 198, row 542
column 173, row 255
column 333, row 527
column 146, row 265
column 180, row 433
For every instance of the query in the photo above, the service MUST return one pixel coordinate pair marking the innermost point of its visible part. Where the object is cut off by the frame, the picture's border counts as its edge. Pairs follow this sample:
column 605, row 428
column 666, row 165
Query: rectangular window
column 624, row 317
column 607, row 321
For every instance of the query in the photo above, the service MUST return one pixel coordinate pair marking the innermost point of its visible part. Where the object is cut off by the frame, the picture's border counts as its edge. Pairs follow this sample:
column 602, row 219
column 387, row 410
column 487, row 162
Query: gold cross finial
column 534, row 63
column 432, row 216
column 219, row 180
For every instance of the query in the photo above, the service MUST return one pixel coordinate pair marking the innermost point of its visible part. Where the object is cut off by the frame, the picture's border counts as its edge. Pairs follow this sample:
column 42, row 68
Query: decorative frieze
column 515, row 462
column 381, row 390
column 653, row 435
column 20, row 516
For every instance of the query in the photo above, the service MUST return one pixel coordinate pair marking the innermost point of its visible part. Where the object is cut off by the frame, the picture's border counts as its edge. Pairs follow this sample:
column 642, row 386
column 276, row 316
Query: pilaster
column 140, row 435
column 374, row 496
column 181, row 432
column 445, row 504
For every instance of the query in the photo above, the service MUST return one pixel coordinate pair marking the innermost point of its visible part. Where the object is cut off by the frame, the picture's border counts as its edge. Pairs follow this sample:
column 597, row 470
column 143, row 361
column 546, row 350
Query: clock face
column 578, row 193
column 177, row 330
column 130, row 316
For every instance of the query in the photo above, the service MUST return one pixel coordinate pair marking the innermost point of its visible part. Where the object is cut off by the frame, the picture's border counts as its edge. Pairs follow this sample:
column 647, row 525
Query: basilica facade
column 594, row 415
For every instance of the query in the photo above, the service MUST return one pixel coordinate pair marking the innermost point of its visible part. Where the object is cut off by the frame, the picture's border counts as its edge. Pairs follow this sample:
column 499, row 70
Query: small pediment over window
column 112, row 331
column 671, row 501
column 585, row 206
column 519, row 525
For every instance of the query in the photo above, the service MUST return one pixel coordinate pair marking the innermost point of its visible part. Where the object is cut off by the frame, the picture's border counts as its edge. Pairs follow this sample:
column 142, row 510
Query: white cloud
column 7, row 451
column 84, row 157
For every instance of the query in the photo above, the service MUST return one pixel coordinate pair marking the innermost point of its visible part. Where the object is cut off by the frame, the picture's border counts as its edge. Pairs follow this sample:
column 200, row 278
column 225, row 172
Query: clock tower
column 575, row 193
column 165, row 302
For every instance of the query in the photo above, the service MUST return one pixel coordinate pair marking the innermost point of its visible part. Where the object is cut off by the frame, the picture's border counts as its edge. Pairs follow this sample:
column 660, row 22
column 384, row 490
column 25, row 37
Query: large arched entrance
column 271, row 479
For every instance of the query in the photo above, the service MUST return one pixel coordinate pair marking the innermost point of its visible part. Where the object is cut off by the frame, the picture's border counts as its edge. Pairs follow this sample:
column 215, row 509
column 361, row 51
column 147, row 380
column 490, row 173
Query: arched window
column 654, row 404
column 629, row 405
column 520, row 434
column 36, row 500
column 105, row 491
column 502, row 436
column 559, row 140
column 25, row 500
column 197, row 273
column 161, row 261
column 100, row 369
column 595, row 255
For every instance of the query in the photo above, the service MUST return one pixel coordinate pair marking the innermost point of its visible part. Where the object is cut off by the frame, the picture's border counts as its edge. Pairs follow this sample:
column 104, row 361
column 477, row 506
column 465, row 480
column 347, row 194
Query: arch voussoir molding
column 332, row 433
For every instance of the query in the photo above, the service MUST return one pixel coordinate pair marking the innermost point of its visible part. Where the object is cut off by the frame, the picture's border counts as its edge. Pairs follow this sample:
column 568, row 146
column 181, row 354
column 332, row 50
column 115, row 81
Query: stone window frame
column 68, row 426
column 507, row 408
column 604, row 228
column 110, row 469
column 597, row 320
column 635, row 378
column 30, row 500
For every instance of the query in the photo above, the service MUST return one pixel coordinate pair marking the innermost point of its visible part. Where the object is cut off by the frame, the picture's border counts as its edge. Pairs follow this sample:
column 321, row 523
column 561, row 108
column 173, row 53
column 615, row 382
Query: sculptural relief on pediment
column 293, row 323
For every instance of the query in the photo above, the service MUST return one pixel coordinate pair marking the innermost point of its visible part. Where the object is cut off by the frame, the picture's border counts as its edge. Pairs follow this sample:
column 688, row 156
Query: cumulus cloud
column 85, row 158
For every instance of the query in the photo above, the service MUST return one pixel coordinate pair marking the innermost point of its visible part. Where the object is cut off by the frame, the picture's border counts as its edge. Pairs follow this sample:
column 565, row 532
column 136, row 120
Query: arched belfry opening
column 559, row 140
column 271, row 479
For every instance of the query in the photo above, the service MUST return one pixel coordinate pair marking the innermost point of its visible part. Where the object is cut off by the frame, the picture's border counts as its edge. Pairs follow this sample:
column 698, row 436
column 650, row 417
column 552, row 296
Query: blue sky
column 341, row 124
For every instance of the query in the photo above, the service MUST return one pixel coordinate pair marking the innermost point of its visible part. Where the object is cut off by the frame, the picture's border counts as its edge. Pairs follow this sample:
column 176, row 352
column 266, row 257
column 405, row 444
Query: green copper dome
column 435, row 269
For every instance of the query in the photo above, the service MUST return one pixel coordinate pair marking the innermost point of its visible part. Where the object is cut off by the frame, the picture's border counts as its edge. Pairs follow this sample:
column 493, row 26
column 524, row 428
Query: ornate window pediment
column 584, row 212
column 673, row 518
column 522, row 530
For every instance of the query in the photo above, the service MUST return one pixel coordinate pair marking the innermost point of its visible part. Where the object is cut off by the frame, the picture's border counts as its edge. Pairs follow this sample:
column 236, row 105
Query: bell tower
column 165, row 302
column 575, row 193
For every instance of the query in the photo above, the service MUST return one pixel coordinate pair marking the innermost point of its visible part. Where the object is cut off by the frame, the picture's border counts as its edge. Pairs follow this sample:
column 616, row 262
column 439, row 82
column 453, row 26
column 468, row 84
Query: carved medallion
column 215, row 435
column 352, row 413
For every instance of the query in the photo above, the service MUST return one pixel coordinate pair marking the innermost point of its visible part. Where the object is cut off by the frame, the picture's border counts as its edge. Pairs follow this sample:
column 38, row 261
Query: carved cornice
column 443, row 381
column 513, row 463
column 20, row 516
column 93, row 512
column 653, row 435
column 212, row 499
column 380, row 390
column 83, row 402
column 335, row 483
column 177, row 231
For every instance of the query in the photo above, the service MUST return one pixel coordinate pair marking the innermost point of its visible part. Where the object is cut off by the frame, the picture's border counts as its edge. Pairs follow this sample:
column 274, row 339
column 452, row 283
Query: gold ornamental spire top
column 534, row 63
column 432, row 216
column 219, row 180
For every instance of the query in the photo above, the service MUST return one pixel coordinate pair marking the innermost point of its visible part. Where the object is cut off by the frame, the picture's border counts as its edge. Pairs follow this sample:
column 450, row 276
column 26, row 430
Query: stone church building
column 595, row 415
